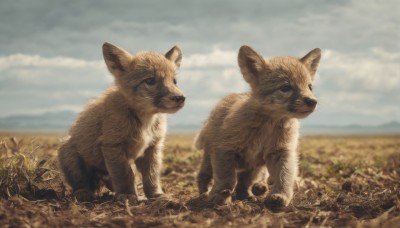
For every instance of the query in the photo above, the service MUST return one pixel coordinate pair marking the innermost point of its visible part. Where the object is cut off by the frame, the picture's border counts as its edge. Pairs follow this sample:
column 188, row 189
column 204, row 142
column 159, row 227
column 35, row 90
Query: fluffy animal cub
column 250, row 131
column 123, row 127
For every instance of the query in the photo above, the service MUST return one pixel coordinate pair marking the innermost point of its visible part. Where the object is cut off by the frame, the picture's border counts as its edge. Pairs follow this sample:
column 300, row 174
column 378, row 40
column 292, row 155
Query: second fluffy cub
column 247, row 132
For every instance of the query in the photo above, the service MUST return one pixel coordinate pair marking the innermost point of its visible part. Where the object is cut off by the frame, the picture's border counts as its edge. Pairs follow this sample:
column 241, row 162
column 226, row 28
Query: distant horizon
column 60, row 121
column 170, row 115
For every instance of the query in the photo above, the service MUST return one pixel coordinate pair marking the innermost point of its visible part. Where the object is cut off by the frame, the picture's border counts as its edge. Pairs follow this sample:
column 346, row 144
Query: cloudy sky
column 50, row 51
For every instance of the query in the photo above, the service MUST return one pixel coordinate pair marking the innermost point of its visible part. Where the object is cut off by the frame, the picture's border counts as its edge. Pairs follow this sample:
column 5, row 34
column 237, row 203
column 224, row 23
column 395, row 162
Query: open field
column 344, row 182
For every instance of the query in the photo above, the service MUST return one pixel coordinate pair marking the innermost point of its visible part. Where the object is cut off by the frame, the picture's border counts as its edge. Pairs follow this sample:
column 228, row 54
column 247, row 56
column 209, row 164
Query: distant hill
column 392, row 127
column 61, row 121
column 309, row 129
column 46, row 122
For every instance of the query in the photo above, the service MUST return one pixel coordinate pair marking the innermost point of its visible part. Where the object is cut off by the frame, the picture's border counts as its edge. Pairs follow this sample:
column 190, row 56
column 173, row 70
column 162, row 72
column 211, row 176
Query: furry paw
column 167, row 202
column 258, row 189
column 249, row 198
column 203, row 183
column 220, row 198
column 276, row 202
column 84, row 195
column 158, row 196
column 122, row 198
column 243, row 195
column 202, row 189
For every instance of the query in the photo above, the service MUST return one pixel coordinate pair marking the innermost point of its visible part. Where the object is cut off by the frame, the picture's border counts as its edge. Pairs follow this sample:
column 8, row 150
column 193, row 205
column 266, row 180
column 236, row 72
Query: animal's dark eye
column 285, row 88
column 310, row 87
column 175, row 81
column 150, row 81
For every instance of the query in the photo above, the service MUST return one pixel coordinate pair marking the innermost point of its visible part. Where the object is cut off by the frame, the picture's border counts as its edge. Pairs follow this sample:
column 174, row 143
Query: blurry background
column 51, row 62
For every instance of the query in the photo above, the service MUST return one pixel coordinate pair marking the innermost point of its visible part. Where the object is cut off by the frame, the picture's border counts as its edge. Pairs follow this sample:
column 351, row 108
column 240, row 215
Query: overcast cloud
column 50, row 51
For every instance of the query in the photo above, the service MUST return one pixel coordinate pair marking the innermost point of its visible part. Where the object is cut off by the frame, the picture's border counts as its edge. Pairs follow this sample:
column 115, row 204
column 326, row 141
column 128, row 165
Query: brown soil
column 344, row 182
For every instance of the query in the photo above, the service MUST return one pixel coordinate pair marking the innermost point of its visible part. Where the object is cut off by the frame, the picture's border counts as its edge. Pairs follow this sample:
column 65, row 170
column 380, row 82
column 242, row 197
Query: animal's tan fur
column 247, row 132
column 123, row 127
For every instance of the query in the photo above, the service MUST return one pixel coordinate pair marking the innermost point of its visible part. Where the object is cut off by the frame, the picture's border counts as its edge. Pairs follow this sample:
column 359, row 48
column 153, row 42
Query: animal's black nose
column 178, row 99
column 310, row 102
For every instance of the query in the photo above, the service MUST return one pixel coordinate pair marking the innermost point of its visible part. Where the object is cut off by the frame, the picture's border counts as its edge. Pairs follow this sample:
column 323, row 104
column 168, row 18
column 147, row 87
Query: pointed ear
column 117, row 59
column 311, row 60
column 251, row 64
column 175, row 56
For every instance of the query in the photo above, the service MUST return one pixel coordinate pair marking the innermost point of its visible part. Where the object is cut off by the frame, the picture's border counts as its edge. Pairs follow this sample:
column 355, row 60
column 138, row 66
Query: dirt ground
column 344, row 182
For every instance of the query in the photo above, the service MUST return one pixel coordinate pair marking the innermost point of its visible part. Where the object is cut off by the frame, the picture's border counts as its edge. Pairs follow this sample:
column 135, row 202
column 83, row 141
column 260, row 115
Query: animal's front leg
column 150, row 166
column 246, row 179
column 121, row 174
column 283, row 168
column 224, row 175
column 204, row 176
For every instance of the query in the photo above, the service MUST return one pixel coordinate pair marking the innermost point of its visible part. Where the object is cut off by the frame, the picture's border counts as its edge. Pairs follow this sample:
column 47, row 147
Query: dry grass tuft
column 21, row 172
